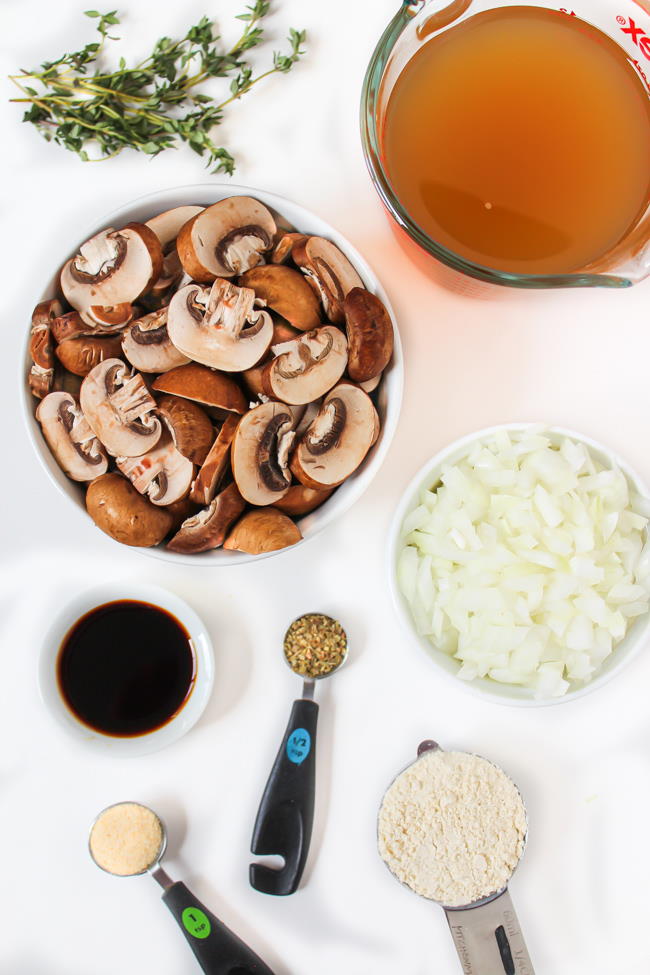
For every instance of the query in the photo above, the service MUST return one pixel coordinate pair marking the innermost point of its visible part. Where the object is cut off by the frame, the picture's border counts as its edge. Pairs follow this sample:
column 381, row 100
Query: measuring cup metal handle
column 488, row 938
column 217, row 950
column 286, row 813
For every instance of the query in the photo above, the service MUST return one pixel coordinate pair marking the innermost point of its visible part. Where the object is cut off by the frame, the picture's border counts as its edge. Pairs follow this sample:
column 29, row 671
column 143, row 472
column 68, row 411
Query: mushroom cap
column 83, row 353
column 147, row 345
column 219, row 327
column 203, row 385
column 263, row 530
column 307, row 367
column 370, row 335
column 329, row 272
column 76, row 449
column 227, row 238
column 337, row 441
column 286, row 291
column 163, row 474
column 190, row 426
column 107, row 318
column 116, row 507
column 260, row 452
column 112, row 268
column 166, row 225
column 208, row 528
column 41, row 348
column 216, row 463
column 284, row 245
column 300, row 500
column 119, row 408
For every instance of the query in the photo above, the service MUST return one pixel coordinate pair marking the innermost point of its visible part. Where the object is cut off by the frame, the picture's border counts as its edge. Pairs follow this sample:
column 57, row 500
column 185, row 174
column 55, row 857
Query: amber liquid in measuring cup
column 520, row 139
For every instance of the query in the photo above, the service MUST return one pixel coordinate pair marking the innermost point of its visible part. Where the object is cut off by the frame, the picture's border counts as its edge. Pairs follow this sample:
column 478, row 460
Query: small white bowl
column 427, row 476
column 390, row 393
column 189, row 713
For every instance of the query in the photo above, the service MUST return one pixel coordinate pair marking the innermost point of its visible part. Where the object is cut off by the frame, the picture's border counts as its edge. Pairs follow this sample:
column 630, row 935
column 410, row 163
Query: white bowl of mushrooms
column 214, row 374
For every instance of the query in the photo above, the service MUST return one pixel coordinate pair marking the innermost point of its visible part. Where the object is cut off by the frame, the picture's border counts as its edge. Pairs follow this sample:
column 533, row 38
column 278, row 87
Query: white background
column 576, row 358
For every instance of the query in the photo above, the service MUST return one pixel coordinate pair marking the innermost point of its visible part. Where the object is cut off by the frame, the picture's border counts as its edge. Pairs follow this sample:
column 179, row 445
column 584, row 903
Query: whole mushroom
column 116, row 507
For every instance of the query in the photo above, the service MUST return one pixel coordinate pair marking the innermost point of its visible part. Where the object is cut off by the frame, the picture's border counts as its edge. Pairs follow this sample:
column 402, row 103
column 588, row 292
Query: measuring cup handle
column 217, row 950
column 286, row 813
column 488, row 938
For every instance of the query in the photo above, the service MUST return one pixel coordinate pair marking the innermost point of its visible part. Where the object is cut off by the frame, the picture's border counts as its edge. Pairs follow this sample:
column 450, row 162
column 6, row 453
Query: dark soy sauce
column 126, row 668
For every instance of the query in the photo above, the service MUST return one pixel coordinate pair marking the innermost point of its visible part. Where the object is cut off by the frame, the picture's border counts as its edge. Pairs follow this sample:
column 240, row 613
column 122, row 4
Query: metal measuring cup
column 217, row 949
column 487, row 933
column 286, row 813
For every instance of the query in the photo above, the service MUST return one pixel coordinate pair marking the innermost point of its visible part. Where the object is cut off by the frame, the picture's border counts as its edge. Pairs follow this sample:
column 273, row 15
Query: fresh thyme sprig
column 152, row 105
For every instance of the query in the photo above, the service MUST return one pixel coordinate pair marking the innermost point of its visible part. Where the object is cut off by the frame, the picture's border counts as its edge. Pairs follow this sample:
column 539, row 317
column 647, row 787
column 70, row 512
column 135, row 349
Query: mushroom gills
column 163, row 474
column 261, row 450
column 307, row 367
column 226, row 239
column 119, row 408
column 329, row 272
column 148, row 347
column 74, row 445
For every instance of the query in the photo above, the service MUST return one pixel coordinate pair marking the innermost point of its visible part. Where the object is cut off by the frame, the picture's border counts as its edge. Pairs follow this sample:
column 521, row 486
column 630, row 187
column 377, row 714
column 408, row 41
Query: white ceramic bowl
column 427, row 476
column 390, row 393
column 190, row 712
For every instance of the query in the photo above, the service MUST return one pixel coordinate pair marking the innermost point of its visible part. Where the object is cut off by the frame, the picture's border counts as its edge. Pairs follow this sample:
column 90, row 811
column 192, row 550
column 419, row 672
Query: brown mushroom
column 260, row 452
column 208, row 529
column 147, row 345
column 41, row 349
column 166, row 227
column 81, row 354
column 181, row 511
column 108, row 318
column 71, row 325
column 227, row 238
column 219, row 326
column 370, row 335
column 284, row 245
column 283, row 331
column 300, row 500
column 329, row 273
column 203, row 385
column 306, row 367
column 163, row 474
column 337, row 441
column 215, row 464
column 263, row 530
column 119, row 408
column 116, row 507
column 285, row 291
column 189, row 425
column 371, row 384
column 77, row 450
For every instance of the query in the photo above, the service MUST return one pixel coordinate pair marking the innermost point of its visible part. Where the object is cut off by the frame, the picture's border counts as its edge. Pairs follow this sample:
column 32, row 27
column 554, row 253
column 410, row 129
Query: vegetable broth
column 520, row 140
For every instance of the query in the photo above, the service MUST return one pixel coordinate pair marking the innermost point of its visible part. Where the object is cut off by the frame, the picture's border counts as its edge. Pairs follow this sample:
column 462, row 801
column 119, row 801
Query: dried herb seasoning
column 314, row 645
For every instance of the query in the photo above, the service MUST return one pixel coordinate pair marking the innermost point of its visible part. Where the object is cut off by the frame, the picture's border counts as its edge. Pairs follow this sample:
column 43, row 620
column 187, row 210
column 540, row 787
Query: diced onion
column 527, row 562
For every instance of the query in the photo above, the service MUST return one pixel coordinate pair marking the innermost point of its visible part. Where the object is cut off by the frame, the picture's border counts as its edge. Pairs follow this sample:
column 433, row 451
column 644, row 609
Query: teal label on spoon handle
column 298, row 746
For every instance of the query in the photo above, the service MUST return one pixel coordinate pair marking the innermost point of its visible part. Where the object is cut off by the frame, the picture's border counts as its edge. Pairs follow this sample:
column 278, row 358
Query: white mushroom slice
column 329, row 272
column 260, row 453
column 226, row 239
column 77, row 450
column 148, row 347
column 119, row 408
column 112, row 268
column 306, row 367
column 166, row 225
column 338, row 439
column 163, row 474
column 219, row 327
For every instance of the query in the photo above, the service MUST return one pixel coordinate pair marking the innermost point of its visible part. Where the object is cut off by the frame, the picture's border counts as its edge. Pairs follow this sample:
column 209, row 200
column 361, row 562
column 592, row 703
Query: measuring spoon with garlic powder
column 486, row 932
column 127, row 840
column 315, row 646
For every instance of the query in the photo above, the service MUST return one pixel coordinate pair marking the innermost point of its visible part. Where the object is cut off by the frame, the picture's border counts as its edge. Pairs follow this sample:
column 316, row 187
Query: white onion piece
column 527, row 562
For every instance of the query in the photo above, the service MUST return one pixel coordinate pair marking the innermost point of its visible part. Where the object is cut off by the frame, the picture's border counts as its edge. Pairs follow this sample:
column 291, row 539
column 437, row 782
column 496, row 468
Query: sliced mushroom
column 66, row 382
column 371, row 385
column 208, row 529
column 370, row 335
column 306, row 367
column 148, row 347
column 286, row 291
column 252, row 379
column 329, row 272
column 226, row 239
column 119, row 408
column 300, row 500
column 108, row 318
column 203, row 385
column 77, row 450
column 71, row 326
column 259, row 531
column 215, row 464
column 81, row 354
column 163, row 474
column 41, row 349
column 219, row 326
column 283, row 331
column 260, row 453
column 166, row 227
column 338, row 439
column 190, row 427
column 116, row 507
column 112, row 268
column 284, row 247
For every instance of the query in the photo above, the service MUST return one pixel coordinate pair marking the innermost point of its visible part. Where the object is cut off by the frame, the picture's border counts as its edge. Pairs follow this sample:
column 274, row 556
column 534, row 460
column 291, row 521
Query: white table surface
column 578, row 358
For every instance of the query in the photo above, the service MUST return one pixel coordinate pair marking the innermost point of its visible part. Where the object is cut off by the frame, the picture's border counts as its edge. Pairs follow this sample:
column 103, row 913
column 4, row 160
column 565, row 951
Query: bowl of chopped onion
column 520, row 562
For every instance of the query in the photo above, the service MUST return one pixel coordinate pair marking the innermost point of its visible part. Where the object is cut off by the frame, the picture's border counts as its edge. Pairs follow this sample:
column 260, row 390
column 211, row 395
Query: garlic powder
column 126, row 839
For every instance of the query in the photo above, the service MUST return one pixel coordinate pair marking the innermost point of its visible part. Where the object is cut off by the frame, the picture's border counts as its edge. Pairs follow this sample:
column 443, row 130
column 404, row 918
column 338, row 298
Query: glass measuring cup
column 486, row 933
column 627, row 22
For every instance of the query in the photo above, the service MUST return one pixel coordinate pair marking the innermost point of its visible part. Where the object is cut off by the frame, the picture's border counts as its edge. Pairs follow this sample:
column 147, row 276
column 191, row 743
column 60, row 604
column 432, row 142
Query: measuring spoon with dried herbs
column 315, row 646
